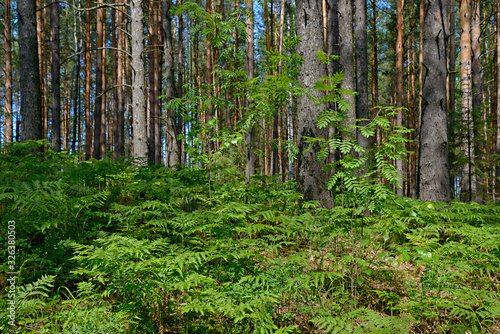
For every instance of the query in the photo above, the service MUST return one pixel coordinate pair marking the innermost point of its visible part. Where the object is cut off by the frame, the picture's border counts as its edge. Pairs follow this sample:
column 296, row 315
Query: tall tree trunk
column 399, row 87
column 55, row 77
column 98, row 82
column 311, row 178
column 362, row 108
column 250, row 135
column 347, row 56
column 119, row 116
column 180, row 82
column 452, row 124
column 139, row 127
column 87, row 79
column 434, row 175
column 477, row 87
column 497, row 79
column 152, row 42
column 31, row 107
column 7, row 116
column 40, row 40
column 171, row 132
column 469, row 184
column 412, row 170
column 375, row 102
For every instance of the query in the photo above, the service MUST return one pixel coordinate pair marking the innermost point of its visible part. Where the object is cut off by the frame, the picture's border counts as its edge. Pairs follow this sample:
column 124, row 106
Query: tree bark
column 31, row 107
column 468, row 181
column 87, row 79
column 139, row 127
column 7, row 117
column 477, row 88
column 399, row 71
column 362, row 109
column 434, row 176
column 173, row 156
column 311, row 178
column 119, row 116
column 98, row 83
column 250, row 135
column 347, row 56
column 55, row 77
column 375, row 102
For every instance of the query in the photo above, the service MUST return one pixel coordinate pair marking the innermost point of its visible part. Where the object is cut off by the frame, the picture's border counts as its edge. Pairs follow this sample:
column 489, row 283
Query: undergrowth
column 110, row 247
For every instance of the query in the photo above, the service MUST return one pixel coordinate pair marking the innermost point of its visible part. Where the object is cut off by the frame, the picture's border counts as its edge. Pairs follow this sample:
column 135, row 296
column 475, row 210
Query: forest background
column 272, row 138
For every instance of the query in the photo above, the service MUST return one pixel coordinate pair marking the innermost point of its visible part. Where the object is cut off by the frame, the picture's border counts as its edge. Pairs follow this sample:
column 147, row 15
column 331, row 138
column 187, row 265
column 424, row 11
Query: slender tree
column 399, row 86
column 98, row 126
column 119, row 115
column 7, row 116
column 468, row 181
column 347, row 55
column 55, row 77
column 434, row 177
column 477, row 86
column 31, row 108
column 139, row 127
column 87, row 79
column 250, row 136
column 362, row 108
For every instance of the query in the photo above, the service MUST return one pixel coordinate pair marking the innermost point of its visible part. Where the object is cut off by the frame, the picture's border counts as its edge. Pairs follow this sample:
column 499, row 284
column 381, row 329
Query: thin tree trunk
column 31, row 105
column 87, row 79
column 40, row 41
column 347, row 56
column 399, row 89
column 98, row 83
column 171, row 133
column 119, row 116
column 55, row 77
column 250, row 136
column 477, row 87
column 139, row 127
column 362, row 109
column 434, row 176
column 7, row 117
column 497, row 87
column 375, row 102
column 468, row 184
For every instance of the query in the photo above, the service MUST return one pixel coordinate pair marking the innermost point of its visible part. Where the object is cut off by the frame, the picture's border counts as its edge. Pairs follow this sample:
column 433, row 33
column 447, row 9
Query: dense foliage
column 113, row 247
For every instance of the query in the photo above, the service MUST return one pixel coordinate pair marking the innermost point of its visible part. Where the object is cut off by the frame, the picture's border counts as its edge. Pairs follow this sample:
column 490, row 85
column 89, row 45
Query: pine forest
column 241, row 166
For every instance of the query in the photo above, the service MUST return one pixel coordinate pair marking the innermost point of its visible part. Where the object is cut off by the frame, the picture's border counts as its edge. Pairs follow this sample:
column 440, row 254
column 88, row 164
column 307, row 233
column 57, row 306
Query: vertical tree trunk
column 452, row 127
column 152, row 41
column 55, row 77
column 347, row 55
column 87, row 79
column 119, row 116
column 250, row 136
column 412, row 174
column 375, row 102
column 139, row 127
column 311, row 178
column 180, row 82
column 477, row 87
column 171, row 132
column 497, row 79
column 98, row 82
column 104, row 73
column 434, row 176
column 362, row 109
column 7, row 117
column 31, row 107
column 399, row 87
column 468, row 184
column 40, row 40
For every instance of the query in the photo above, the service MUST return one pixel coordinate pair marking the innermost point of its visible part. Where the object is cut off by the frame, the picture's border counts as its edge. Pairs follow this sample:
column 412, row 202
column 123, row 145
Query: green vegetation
column 112, row 247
